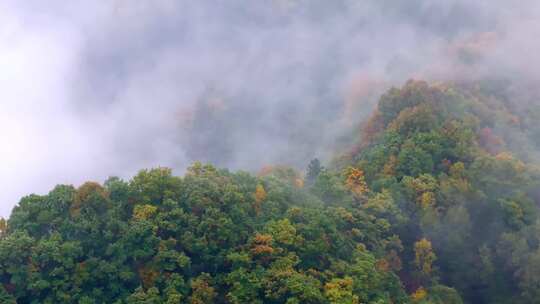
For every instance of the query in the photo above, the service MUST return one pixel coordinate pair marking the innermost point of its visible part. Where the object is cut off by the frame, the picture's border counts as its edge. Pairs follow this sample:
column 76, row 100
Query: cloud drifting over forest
column 90, row 89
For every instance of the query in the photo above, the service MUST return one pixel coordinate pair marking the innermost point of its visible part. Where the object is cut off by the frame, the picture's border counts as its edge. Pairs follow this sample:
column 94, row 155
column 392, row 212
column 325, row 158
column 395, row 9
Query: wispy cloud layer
column 90, row 89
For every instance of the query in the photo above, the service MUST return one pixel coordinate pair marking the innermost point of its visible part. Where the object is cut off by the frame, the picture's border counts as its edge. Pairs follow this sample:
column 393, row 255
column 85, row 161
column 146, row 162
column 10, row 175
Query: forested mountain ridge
column 438, row 203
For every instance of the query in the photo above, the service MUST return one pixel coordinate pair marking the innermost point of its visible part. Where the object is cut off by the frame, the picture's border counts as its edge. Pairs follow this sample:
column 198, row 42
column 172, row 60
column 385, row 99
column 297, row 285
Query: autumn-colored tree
column 340, row 291
column 419, row 295
column 260, row 196
column 3, row 226
column 144, row 212
column 262, row 245
column 299, row 182
column 356, row 182
column 490, row 141
column 148, row 275
column 422, row 189
column 201, row 290
column 91, row 195
column 371, row 129
column 424, row 257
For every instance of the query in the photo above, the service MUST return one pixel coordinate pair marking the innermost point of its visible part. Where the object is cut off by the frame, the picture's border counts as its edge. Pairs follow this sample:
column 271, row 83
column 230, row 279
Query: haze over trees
column 105, row 87
column 436, row 203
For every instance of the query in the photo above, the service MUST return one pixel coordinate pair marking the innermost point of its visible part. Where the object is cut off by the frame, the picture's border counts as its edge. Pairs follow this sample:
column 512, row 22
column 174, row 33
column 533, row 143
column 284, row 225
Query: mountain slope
column 431, row 206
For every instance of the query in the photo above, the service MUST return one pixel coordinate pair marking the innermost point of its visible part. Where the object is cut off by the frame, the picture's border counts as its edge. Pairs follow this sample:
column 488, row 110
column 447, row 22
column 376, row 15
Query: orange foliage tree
column 356, row 182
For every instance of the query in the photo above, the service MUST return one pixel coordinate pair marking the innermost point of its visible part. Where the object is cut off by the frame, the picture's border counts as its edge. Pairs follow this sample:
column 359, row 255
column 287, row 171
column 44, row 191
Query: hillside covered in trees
column 436, row 203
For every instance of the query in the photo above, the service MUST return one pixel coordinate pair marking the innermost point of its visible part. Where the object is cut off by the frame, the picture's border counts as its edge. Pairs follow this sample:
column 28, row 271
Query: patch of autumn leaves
column 202, row 291
column 424, row 257
column 490, row 141
column 355, row 182
column 391, row 262
column 423, row 188
column 260, row 196
column 299, row 182
column 88, row 192
column 419, row 294
column 148, row 275
column 261, row 246
column 507, row 157
column 340, row 291
column 144, row 212
column 3, row 226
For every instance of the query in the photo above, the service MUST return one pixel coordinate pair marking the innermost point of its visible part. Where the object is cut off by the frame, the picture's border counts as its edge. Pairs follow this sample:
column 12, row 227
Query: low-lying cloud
column 90, row 89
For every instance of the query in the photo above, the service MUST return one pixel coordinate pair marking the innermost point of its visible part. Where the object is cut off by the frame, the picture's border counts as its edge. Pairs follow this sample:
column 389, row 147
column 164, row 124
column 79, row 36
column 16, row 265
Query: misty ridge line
column 127, row 85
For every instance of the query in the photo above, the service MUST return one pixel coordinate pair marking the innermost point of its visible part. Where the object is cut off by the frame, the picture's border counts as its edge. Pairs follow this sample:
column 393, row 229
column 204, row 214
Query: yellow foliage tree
column 419, row 295
column 3, row 226
column 201, row 290
column 356, row 182
column 427, row 199
column 144, row 212
column 424, row 257
column 260, row 196
column 424, row 188
column 505, row 156
column 340, row 291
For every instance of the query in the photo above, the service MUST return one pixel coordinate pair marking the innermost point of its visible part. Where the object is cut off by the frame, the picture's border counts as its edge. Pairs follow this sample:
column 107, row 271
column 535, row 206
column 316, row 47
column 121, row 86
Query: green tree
column 313, row 170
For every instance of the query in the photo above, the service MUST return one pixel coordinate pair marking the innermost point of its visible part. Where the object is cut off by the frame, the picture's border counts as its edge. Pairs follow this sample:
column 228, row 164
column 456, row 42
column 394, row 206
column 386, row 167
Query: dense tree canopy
column 431, row 207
